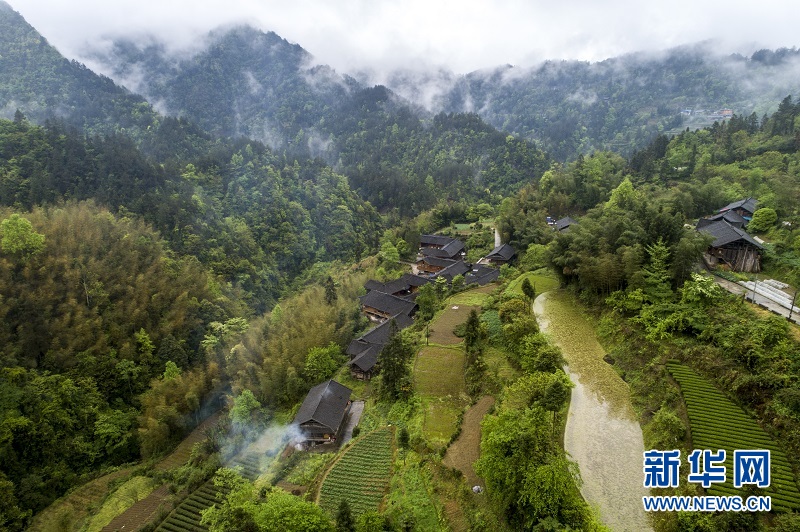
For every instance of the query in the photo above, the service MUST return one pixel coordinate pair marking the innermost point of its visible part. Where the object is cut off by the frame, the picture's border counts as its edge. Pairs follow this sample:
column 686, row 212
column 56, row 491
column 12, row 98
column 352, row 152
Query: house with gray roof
column 745, row 208
column 564, row 224
column 501, row 254
column 380, row 306
column 733, row 247
column 323, row 413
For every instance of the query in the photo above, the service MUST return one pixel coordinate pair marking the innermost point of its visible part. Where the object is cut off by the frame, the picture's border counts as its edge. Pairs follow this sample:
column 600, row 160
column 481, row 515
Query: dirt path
column 467, row 447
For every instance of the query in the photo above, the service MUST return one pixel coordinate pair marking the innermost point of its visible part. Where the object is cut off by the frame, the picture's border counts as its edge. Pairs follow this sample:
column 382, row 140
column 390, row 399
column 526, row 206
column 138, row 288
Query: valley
column 242, row 290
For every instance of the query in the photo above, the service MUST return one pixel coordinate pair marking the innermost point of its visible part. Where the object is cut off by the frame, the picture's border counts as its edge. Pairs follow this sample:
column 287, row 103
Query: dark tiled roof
column 481, row 275
column 724, row 234
column 377, row 335
column 747, row 204
column 326, row 404
column 436, row 261
column 367, row 359
column 405, row 283
column 450, row 250
column 564, row 222
column 731, row 217
column 503, row 252
column 457, row 268
column 387, row 303
column 434, row 240
column 374, row 285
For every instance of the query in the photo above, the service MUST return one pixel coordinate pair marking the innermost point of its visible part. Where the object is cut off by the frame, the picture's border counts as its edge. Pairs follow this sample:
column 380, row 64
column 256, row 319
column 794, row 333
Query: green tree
column 171, row 371
column 655, row 275
column 18, row 237
column 428, row 301
column 246, row 410
column 395, row 372
column 344, row 518
column 763, row 220
column 555, row 397
column 330, row 291
column 528, row 289
column 322, row 362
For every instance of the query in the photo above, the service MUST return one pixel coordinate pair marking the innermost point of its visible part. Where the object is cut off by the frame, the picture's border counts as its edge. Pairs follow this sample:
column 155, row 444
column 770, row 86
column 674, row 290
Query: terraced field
column 361, row 476
column 186, row 516
column 717, row 423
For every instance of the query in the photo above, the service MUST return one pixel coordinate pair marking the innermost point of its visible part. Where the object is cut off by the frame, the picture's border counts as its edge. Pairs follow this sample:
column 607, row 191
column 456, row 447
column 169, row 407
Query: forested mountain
column 37, row 79
column 620, row 104
column 246, row 82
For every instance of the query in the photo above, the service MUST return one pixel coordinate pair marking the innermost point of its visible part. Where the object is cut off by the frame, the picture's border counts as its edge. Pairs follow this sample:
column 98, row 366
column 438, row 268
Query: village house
column 732, row 217
column 433, row 264
column 501, row 255
column 457, row 268
column 733, row 247
column 404, row 286
column 379, row 306
column 481, row 275
column 563, row 225
column 442, row 247
column 364, row 350
column 744, row 208
column 322, row 415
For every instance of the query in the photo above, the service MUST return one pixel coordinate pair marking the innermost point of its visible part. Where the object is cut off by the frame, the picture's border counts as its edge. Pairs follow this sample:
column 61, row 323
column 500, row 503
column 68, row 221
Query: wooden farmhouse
column 481, row 275
column 322, row 415
column 364, row 350
column 379, row 306
column 501, row 255
column 431, row 265
column 442, row 247
column 732, row 246
column 404, row 286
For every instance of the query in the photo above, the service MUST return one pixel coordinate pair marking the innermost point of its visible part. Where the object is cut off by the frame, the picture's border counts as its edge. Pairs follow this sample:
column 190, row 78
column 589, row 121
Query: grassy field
column 541, row 280
column 474, row 297
column 441, row 329
column 439, row 371
column 439, row 379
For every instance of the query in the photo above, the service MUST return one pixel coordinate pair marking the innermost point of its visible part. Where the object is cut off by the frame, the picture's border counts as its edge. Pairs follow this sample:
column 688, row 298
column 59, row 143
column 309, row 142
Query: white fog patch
column 253, row 85
column 583, row 97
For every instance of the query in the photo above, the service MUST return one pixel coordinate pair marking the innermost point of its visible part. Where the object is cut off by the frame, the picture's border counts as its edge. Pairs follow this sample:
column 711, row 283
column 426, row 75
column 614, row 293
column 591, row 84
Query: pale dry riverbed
column 602, row 433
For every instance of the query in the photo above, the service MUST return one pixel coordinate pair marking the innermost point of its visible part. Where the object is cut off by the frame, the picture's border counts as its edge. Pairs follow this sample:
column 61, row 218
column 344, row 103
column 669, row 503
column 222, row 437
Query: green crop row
column 717, row 423
column 361, row 476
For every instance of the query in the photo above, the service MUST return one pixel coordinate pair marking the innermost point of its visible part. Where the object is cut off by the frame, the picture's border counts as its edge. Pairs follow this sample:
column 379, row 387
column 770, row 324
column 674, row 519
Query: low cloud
column 418, row 34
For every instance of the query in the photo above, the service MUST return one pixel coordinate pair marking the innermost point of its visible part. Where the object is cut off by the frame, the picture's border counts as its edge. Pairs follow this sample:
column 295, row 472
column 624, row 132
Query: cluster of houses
column 732, row 246
column 322, row 416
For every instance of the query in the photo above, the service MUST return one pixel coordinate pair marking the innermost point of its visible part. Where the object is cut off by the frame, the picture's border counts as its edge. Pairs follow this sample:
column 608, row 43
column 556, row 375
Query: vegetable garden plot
column 717, row 423
column 361, row 476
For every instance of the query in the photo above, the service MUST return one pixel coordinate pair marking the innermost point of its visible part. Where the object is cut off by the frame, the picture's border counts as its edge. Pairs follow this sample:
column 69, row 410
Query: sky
column 460, row 35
